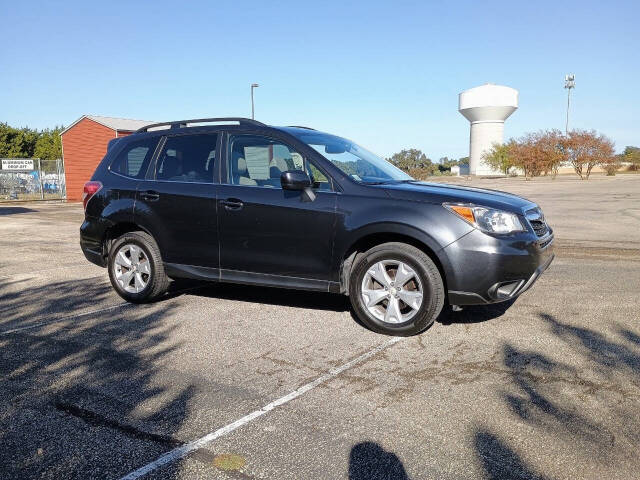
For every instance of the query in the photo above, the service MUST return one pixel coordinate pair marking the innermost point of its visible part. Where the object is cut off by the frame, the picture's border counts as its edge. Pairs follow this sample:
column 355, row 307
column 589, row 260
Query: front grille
column 539, row 227
column 536, row 220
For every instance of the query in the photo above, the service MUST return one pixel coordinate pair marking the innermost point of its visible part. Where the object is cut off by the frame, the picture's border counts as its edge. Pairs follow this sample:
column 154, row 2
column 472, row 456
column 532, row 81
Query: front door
column 177, row 202
column 266, row 231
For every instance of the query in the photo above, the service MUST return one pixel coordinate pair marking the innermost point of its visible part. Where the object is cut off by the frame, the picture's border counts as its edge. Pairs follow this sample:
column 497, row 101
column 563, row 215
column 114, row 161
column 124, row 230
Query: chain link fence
column 31, row 179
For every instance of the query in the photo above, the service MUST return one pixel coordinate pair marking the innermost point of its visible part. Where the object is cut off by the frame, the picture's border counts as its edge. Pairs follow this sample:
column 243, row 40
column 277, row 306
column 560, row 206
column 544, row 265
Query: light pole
column 253, row 85
column 569, row 83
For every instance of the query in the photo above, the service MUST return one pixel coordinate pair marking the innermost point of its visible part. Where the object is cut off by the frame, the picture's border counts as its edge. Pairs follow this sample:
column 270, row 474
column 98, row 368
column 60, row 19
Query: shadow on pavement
column 271, row 296
column 499, row 461
column 14, row 210
column 369, row 461
column 84, row 397
column 474, row 313
column 574, row 411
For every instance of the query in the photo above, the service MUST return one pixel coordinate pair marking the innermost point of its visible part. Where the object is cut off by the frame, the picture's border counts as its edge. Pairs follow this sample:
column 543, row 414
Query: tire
column 387, row 312
column 152, row 282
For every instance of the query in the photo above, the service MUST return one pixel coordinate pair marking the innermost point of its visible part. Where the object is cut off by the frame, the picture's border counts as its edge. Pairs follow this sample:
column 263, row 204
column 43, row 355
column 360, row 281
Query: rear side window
column 134, row 160
column 188, row 158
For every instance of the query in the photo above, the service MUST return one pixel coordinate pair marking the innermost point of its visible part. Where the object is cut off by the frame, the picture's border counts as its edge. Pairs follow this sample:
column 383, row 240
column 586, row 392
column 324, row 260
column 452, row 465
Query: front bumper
column 486, row 269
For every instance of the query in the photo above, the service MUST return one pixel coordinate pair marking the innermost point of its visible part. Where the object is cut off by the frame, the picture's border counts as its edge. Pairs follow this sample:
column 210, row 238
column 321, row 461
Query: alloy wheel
column 392, row 291
column 131, row 268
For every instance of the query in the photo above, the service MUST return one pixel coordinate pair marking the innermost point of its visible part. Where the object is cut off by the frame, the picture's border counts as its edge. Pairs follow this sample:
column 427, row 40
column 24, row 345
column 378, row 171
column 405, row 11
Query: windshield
column 355, row 161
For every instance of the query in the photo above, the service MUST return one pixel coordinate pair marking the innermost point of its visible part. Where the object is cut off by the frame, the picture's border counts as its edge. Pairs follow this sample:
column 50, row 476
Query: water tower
column 486, row 107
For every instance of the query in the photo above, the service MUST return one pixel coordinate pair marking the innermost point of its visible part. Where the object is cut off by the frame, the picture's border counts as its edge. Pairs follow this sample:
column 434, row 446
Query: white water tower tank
column 486, row 107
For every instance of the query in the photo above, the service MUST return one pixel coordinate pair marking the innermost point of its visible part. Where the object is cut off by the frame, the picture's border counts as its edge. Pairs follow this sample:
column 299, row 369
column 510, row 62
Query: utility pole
column 253, row 114
column 569, row 83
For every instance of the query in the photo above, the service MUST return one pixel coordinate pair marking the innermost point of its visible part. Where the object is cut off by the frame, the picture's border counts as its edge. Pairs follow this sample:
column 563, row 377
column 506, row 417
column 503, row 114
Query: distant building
column 84, row 144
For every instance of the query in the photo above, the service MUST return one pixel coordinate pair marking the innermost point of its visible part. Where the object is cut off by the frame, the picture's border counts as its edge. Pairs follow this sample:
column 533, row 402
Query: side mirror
column 295, row 180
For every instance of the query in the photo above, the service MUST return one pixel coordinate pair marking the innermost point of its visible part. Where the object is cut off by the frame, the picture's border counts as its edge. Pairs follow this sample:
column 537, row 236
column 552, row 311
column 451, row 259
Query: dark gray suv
column 235, row 200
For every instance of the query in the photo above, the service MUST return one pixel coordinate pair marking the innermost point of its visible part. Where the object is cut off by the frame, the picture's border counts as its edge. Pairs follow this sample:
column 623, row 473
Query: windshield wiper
column 381, row 182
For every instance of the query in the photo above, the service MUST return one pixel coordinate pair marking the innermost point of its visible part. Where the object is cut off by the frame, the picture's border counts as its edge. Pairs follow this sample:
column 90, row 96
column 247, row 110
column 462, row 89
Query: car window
column 187, row 158
column 259, row 161
column 133, row 161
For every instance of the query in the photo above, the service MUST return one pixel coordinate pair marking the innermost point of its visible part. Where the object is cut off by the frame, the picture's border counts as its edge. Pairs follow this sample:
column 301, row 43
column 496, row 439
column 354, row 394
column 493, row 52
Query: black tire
column 432, row 287
column 157, row 280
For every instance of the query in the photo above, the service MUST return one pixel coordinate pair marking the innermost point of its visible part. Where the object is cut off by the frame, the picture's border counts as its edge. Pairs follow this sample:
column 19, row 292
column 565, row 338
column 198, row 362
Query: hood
column 443, row 192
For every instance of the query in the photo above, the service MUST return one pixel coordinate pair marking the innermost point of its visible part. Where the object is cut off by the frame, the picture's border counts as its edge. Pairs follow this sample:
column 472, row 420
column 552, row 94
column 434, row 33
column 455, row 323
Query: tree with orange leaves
column 586, row 149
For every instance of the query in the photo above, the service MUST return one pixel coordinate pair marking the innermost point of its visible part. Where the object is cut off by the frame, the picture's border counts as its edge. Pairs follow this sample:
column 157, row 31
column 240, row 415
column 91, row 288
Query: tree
column 632, row 156
column 552, row 151
column 445, row 164
column 586, row 149
column 499, row 157
column 414, row 162
column 411, row 158
column 526, row 154
column 29, row 143
column 49, row 145
column 611, row 165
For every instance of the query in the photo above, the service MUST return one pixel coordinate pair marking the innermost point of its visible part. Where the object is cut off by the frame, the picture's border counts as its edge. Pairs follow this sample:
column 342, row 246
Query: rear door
column 266, row 230
column 177, row 201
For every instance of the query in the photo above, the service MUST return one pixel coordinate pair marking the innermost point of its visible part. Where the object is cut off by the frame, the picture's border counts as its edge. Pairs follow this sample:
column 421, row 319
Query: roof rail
column 300, row 126
column 183, row 123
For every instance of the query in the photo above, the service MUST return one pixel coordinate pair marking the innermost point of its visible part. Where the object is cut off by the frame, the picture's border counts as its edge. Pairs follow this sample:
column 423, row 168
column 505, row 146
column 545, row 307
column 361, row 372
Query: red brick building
column 84, row 144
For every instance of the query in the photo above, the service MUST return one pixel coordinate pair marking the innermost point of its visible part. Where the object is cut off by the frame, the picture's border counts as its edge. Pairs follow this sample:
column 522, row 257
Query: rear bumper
column 91, row 235
column 485, row 269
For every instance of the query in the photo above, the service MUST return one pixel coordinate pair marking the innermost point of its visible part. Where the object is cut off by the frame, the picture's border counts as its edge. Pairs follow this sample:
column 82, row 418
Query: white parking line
column 187, row 448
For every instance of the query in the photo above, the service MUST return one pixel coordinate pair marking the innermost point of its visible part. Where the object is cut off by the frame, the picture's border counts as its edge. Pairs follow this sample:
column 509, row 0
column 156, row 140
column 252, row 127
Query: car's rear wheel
column 135, row 268
column 396, row 289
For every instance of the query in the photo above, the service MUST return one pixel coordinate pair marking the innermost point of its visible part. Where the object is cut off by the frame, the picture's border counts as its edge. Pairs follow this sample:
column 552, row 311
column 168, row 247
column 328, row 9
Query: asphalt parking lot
column 546, row 387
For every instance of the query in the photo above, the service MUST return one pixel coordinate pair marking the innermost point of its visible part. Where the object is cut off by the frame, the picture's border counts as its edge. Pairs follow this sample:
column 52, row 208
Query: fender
column 383, row 218
column 381, row 232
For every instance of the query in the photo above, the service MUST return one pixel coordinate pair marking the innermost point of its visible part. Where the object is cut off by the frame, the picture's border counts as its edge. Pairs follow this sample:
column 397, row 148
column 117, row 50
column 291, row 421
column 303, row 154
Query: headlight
column 488, row 219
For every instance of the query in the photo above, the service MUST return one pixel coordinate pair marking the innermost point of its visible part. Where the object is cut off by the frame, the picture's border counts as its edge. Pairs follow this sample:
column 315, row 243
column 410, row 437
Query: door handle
column 150, row 195
column 232, row 204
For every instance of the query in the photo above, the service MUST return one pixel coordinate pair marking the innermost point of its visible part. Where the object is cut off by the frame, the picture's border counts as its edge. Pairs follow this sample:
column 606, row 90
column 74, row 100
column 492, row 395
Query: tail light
column 90, row 189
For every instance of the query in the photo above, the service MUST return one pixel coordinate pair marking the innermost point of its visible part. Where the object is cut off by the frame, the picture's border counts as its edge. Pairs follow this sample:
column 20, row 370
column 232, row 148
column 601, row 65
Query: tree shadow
column 369, row 461
column 500, row 461
column 83, row 396
column 588, row 402
column 596, row 347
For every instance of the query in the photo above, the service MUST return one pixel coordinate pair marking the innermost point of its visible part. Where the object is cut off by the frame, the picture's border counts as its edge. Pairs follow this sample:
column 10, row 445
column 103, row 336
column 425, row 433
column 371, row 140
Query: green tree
column 631, row 155
column 414, row 162
column 499, row 157
column 411, row 158
column 49, row 146
column 29, row 143
column 445, row 164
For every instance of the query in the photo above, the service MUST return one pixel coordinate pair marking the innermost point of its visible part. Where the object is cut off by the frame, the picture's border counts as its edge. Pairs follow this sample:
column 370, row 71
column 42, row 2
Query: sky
column 384, row 74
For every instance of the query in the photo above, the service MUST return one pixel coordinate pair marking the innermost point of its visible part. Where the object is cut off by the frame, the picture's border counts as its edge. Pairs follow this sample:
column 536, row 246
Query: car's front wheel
column 396, row 289
column 135, row 268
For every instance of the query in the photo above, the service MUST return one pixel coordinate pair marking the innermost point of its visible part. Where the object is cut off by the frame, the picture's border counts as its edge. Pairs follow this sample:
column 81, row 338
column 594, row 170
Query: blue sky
column 385, row 74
